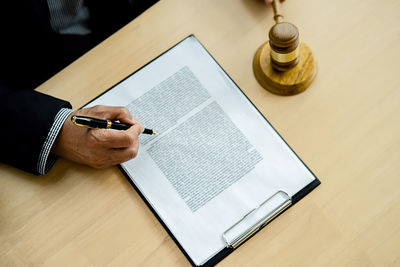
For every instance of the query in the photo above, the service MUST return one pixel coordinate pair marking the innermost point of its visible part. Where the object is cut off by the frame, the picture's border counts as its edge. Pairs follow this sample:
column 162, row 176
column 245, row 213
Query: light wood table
column 346, row 128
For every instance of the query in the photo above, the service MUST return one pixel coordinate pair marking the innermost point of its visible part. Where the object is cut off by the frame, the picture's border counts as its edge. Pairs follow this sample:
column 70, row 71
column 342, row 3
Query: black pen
column 95, row 123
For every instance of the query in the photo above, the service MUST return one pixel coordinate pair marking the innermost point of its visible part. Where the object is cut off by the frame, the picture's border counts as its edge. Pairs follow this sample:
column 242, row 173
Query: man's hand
column 268, row 2
column 99, row 148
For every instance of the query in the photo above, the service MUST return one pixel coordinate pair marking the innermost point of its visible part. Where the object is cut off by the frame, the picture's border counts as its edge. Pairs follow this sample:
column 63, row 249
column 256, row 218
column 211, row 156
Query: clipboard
column 252, row 220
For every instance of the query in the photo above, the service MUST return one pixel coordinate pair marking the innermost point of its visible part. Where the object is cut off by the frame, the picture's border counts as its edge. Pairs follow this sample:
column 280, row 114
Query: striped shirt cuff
column 46, row 161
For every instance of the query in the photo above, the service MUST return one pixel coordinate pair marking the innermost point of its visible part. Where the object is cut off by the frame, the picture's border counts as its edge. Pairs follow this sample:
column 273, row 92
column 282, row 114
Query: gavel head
column 284, row 43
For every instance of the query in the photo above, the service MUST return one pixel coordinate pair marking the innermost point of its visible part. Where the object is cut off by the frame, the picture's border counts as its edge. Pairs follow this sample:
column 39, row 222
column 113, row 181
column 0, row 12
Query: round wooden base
column 291, row 82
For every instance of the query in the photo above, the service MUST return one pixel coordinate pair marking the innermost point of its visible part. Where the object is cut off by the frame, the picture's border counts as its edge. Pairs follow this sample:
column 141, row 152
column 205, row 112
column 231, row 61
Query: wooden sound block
column 290, row 82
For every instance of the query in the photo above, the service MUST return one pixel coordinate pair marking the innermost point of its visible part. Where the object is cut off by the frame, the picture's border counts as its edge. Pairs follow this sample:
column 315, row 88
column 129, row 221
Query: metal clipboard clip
column 256, row 219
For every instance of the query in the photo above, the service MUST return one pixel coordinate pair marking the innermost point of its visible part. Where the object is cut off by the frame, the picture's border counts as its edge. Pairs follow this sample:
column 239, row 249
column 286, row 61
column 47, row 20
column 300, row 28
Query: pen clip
column 74, row 117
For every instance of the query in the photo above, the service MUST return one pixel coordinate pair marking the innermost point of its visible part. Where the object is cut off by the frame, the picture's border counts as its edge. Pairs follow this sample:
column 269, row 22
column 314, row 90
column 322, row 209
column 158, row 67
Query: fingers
column 100, row 148
column 105, row 157
column 115, row 139
column 109, row 147
column 110, row 138
column 268, row 2
column 136, row 129
column 121, row 155
column 112, row 147
column 113, row 157
column 110, row 113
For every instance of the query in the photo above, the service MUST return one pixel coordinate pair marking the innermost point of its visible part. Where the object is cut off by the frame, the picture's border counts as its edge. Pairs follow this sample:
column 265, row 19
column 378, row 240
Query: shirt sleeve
column 46, row 160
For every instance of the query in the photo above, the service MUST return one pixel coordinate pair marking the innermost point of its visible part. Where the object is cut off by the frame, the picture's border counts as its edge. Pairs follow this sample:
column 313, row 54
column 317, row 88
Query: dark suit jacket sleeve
column 26, row 119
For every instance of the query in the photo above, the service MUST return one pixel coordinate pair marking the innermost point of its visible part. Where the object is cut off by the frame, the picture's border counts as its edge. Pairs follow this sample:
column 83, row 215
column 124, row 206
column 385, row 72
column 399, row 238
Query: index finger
column 111, row 138
column 136, row 129
column 111, row 113
column 270, row 1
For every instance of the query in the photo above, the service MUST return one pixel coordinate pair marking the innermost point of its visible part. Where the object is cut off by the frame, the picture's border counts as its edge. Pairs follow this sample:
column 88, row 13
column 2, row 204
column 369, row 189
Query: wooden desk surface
column 346, row 128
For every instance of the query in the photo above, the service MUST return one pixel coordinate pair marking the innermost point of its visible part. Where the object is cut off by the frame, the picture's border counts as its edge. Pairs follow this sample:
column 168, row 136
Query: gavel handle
column 277, row 17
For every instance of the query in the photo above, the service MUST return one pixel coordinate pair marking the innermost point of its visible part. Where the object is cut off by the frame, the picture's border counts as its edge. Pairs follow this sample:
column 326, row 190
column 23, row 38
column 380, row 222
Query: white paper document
column 216, row 157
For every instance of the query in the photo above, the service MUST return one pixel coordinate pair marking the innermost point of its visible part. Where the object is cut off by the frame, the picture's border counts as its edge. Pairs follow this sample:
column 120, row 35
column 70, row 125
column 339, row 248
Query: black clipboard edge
column 157, row 216
column 226, row 251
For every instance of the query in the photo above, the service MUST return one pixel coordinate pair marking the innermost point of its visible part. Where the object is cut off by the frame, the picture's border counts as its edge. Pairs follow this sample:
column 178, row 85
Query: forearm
column 35, row 130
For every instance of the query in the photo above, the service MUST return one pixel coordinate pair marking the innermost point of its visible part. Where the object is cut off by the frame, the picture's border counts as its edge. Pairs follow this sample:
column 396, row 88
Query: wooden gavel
column 284, row 65
column 284, row 42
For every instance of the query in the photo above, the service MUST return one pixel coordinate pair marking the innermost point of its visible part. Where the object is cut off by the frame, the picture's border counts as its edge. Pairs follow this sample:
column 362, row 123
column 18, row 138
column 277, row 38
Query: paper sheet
column 216, row 157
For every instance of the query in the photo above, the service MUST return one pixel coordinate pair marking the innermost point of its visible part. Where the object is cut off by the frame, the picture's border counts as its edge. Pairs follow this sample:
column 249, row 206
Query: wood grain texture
column 284, row 35
column 289, row 82
column 346, row 128
column 284, row 47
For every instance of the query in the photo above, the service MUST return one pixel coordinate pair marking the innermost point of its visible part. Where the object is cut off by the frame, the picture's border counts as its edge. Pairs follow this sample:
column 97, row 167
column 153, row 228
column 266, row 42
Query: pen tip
column 155, row 132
